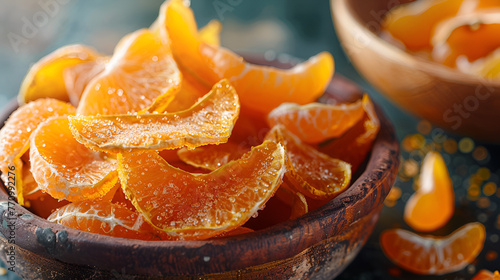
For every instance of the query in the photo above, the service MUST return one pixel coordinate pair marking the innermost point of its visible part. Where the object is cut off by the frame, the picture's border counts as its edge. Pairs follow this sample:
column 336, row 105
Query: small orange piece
column 432, row 255
column 454, row 37
column 310, row 172
column 294, row 199
column 200, row 206
column 212, row 157
column 106, row 218
column 210, row 121
column 356, row 143
column 66, row 169
column 316, row 122
column 210, row 33
column 141, row 69
column 487, row 275
column 45, row 78
column 15, row 134
column 413, row 23
column 260, row 88
column 433, row 204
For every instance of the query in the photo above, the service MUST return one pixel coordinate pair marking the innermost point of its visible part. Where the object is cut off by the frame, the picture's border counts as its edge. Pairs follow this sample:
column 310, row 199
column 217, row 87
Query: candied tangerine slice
column 433, row 204
column 210, row 121
column 296, row 201
column 210, row 33
column 77, row 77
column 141, row 69
column 45, row 78
column 200, row 206
column 15, row 134
column 260, row 88
column 431, row 255
column 356, row 143
column 484, row 274
column 316, row 122
column 212, row 157
column 310, row 172
column 104, row 217
column 66, row 169
column 413, row 23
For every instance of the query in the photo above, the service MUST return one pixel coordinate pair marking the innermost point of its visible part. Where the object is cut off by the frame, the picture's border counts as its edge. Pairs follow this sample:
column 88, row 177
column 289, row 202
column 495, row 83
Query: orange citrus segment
column 199, row 206
column 141, row 69
column 434, row 255
column 210, row 121
column 484, row 274
column 15, row 134
column 65, row 168
column 210, row 33
column 316, row 122
column 42, row 204
column 45, row 78
column 433, row 204
column 77, row 77
column 356, row 143
column 295, row 200
column 212, row 157
column 413, row 23
column 260, row 88
column 105, row 218
column 310, row 172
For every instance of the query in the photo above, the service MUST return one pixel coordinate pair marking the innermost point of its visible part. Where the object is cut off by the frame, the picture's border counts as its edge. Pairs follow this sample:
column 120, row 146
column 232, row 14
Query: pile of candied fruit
column 174, row 137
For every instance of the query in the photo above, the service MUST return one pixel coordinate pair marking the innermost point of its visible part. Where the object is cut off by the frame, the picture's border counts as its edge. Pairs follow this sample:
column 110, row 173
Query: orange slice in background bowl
column 199, row 206
column 46, row 77
column 431, row 255
column 210, row 121
column 15, row 135
column 316, row 122
column 66, row 169
column 260, row 88
column 141, row 69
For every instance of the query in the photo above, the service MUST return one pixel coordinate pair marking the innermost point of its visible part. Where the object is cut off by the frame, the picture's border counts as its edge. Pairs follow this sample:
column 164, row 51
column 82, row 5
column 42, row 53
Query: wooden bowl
column 457, row 101
column 318, row 245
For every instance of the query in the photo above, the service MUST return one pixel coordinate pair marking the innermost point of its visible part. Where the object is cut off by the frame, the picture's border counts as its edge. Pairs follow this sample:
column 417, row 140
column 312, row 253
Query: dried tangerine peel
column 77, row 77
column 316, row 122
column 200, row 206
column 431, row 255
column 106, row 218
column 45, row 78
column 356, row 143
column 310, row 172
column 302, row 84
column 141, row 69
column 210, row 121
column 484, row 274
column 15, row 135
column 433, row 204
column 66, row 169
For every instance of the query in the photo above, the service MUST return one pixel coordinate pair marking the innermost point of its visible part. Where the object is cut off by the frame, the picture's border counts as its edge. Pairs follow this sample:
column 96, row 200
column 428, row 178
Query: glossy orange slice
column 77, row 77
column 354, row 146
column 45, row 78
column 141, row 69
column 260, row 88
column 316, row 122
column 199, row 206
column 433, row 204
column 210, row 121
column 484, row 274
column 212, row 157
column 310, row 172
column 432, row 255
column 66, row 169
column 105, row 218
column 15, row 134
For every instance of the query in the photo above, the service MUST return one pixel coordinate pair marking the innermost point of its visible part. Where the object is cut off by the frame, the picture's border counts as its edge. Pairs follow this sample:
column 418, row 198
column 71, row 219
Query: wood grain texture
column 316, row 246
